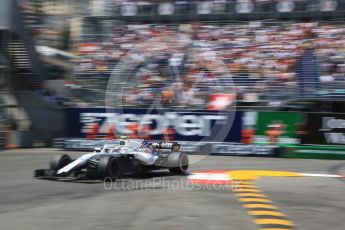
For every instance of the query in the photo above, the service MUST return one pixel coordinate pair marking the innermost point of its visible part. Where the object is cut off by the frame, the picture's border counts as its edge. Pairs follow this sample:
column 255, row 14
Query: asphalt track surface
column 28, row 203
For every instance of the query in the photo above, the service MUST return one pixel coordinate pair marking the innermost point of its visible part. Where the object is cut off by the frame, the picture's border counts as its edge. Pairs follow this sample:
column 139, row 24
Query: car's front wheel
column 59, row 161
column 108, row 167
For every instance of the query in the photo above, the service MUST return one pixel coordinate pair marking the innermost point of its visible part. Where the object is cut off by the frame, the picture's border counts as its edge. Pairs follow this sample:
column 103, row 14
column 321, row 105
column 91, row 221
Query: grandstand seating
column 265, row 61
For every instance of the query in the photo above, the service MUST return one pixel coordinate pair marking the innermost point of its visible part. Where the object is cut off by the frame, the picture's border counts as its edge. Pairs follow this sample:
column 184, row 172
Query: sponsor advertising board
column 274, row 127
column 325, row 129
column 196, row 130
column 184, row 125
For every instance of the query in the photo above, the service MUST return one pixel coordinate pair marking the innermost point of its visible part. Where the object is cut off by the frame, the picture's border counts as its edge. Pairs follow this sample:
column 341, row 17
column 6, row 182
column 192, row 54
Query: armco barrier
column 191, row 147
column 314, row 152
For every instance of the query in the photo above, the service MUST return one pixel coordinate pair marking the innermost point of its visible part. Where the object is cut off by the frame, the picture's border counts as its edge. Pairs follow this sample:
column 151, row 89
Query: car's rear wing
column 173, row 146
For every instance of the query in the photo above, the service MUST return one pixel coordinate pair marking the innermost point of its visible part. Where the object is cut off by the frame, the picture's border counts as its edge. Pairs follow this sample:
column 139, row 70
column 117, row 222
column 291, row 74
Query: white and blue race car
column 112, row 161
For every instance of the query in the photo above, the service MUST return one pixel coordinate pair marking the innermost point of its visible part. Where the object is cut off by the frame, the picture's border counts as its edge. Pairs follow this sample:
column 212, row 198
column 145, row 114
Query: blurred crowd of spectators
column 182, row 65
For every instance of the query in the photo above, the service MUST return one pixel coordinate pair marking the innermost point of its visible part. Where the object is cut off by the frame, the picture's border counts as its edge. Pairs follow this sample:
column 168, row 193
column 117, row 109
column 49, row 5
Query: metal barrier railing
column 151, row 8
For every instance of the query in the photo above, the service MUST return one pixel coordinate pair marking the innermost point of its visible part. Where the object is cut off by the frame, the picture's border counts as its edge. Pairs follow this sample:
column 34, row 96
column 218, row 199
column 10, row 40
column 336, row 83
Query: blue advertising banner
column 179, row 125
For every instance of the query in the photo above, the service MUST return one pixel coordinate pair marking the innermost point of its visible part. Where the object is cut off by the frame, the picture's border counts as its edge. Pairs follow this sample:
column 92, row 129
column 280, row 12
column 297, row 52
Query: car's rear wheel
column 59, row 161
column 178, row 163
column 108, row 167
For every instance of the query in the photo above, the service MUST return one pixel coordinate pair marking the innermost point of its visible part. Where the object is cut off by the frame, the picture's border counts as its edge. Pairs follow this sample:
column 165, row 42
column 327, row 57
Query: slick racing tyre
column 108, row 167
column 59, row 161
column 178, row 163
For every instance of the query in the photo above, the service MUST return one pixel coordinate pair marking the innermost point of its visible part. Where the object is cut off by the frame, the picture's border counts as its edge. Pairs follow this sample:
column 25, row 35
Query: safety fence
column 230, row 8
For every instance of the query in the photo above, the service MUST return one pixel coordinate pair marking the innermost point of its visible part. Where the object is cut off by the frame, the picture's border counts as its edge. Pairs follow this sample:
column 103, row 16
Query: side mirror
column 98, row 149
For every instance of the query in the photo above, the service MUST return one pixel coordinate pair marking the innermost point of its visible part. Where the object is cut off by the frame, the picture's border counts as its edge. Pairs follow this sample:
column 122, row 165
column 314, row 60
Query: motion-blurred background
column 280, row 63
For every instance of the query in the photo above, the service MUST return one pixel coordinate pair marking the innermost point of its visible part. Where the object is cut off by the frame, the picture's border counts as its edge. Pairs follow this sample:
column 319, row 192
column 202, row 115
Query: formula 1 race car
column 113, row 161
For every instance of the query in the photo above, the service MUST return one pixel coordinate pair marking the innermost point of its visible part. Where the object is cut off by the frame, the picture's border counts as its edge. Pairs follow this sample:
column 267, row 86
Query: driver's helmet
column 146, row 144
column 122, row 142
column 149, row 146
